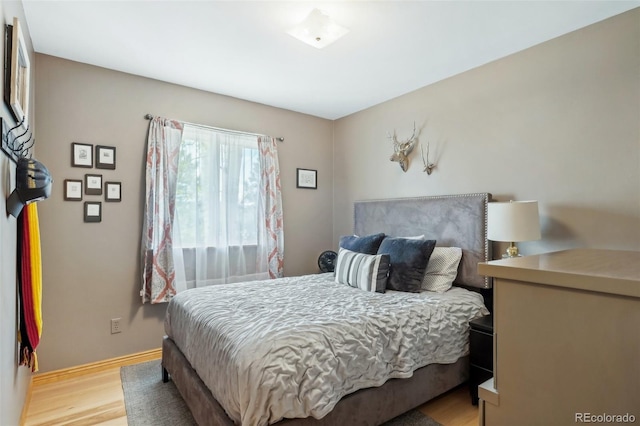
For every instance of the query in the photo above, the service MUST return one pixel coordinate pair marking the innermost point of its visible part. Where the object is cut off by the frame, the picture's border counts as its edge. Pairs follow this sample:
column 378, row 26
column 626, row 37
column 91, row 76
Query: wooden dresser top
column 606, row 271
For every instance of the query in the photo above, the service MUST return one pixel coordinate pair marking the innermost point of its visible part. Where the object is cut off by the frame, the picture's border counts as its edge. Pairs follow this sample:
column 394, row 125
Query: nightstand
column 481, row 354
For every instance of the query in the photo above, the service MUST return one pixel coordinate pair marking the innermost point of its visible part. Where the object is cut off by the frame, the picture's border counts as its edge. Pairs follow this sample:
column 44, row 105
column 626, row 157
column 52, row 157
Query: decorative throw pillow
column 368, row 244
column 364, row 271
column 409, row 258
column 442, row 269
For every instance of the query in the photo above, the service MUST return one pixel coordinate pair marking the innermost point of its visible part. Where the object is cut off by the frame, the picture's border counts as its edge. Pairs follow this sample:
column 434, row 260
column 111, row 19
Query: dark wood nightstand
column 481, row 354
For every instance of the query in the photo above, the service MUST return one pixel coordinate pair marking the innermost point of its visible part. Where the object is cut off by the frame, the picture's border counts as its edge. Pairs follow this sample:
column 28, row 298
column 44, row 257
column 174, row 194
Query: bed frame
column 452, row 220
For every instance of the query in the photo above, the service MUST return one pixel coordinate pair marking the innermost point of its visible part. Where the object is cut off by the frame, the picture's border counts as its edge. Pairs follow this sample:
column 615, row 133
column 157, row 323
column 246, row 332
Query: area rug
column 149, row 402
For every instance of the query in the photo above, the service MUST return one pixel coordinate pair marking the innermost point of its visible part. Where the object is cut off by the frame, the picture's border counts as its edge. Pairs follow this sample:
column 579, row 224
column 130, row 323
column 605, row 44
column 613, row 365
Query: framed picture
column 92, row 211
column 112, row 191
column 17, row 73
column 72, row 190
column 93, row 184
column 81, row 155
column 307, row 179
column 105, row 157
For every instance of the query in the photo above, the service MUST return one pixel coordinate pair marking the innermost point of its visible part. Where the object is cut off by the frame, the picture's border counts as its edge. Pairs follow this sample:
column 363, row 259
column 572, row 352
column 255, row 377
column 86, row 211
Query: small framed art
column 81, row 155
column 105, row 157
column 112, row 191
column 92, row 211
column 72, row 190
column 93, row 184
column 307, row 179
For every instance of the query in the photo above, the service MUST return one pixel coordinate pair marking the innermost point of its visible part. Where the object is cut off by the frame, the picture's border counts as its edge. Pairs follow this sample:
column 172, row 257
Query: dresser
column 566, row 339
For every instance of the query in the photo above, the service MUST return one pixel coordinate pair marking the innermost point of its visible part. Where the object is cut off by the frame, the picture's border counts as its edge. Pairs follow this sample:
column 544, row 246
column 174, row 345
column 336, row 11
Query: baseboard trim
column 95, row 367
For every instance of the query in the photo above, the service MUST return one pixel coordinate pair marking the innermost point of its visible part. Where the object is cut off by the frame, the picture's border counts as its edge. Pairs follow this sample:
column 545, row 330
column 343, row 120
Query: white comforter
column 293, row 347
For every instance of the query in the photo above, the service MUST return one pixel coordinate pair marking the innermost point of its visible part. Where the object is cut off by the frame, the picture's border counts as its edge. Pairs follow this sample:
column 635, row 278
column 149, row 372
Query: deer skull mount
column 428, row 167
column 402, row 149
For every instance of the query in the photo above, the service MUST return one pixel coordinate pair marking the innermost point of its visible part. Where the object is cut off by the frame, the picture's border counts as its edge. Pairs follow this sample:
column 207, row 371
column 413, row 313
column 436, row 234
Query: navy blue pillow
column 409, row 258
column 368, row 244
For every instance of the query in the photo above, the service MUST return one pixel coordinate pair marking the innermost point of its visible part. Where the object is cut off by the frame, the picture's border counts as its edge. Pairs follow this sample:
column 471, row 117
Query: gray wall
column 14, row 380
column 557, row 123
column 92, row 270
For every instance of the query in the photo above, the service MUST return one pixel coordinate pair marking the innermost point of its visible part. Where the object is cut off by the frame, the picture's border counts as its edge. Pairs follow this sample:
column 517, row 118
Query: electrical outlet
column 115, row 325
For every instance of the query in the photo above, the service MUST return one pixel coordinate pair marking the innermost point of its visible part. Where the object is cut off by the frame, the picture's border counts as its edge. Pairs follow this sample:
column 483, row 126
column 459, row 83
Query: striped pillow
column 364, row 271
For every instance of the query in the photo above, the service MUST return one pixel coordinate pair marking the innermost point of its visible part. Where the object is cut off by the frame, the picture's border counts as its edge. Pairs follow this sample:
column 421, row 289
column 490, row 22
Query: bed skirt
column 371, row 406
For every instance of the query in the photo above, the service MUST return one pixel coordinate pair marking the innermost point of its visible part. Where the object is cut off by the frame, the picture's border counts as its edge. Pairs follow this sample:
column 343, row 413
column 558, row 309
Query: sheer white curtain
column 218, row 224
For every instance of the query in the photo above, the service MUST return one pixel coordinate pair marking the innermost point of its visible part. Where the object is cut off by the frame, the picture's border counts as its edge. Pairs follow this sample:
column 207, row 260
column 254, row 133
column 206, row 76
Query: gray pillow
column 368, row 244
column 409, row 259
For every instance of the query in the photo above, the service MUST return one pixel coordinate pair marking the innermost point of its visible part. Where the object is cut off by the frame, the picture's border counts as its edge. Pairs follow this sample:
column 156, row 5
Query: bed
column 359, row 396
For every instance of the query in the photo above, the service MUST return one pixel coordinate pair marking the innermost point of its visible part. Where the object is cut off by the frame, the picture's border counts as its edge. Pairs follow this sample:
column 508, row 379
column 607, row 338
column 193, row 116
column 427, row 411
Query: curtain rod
column 279, row 139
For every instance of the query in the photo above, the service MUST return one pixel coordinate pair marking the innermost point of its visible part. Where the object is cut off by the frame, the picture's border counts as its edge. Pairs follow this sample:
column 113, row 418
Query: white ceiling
column 241, row 48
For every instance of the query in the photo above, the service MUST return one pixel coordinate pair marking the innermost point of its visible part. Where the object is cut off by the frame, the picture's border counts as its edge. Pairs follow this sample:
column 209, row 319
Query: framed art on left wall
column 93, row 184
column 81, row 155
column 92, row 211
column 72, row 190
column 105, row 157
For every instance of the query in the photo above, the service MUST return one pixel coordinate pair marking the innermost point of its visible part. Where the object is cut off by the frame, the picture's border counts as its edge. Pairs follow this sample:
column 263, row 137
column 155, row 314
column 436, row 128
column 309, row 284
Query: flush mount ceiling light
column 318, row 30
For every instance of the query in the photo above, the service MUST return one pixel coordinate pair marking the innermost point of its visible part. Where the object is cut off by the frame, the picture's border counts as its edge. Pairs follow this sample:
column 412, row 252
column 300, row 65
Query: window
column 213, row 209
column 217, row 189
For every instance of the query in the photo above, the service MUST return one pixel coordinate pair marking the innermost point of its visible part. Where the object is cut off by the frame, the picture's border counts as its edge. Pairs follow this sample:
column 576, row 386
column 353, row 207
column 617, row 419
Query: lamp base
column 506, row 256
column 512, row 251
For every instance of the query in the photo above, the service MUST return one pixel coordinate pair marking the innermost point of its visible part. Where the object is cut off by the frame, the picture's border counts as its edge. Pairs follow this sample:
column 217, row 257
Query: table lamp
column 512, row 222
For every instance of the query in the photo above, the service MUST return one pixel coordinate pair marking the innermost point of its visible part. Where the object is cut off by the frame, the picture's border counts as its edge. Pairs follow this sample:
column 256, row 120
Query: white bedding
column 293, row 347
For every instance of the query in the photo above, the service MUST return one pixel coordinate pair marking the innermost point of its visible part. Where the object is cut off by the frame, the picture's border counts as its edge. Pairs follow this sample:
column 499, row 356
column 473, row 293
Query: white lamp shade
column 318, row 30
column 513, row 221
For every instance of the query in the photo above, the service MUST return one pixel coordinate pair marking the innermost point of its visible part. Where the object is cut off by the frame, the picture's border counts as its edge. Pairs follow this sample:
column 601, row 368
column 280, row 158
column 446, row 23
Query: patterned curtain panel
column 272, row 243
column 163, row 149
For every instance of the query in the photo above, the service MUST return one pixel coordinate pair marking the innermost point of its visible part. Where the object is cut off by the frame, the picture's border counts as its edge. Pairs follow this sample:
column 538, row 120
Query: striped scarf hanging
column 29, row 285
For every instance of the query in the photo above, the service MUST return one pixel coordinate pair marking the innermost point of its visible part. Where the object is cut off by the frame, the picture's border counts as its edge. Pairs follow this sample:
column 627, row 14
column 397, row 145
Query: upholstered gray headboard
column 452, row 220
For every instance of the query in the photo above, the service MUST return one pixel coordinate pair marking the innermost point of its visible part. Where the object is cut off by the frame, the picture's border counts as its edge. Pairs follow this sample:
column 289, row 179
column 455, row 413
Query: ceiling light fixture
column 318, row 30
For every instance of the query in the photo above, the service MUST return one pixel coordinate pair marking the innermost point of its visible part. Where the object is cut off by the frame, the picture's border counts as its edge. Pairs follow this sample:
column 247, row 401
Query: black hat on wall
column 33, row 183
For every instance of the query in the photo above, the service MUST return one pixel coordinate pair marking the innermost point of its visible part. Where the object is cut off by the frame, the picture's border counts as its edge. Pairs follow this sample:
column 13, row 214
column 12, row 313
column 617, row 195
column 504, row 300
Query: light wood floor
column 97, row 399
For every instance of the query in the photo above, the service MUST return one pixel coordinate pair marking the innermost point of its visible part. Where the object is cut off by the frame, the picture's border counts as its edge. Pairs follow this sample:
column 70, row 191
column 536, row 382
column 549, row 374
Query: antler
column 402, row 149
column 428, row 167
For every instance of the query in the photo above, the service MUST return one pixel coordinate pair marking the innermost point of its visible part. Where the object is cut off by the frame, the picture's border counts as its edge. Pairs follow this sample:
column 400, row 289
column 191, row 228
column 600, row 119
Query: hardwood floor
column 93, row 399
column 97, row 399
column 453, row 408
